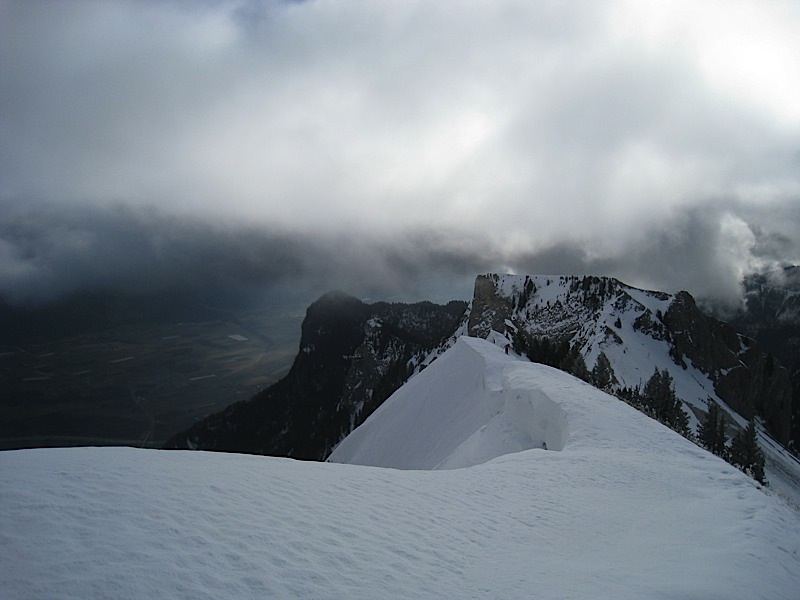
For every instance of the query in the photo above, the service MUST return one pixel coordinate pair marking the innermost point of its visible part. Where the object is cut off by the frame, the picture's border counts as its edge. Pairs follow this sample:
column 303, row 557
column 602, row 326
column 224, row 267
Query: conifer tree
column 746, row 454
column 577, row 366
column 712, row 430
column 659, row 397
column 520, row 342
column 602, row 373
column 654, row 394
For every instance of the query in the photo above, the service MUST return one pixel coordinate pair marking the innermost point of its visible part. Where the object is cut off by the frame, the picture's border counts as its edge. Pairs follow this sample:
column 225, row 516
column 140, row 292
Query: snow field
column 645, row 493
column 627, row 509
column 126, row 523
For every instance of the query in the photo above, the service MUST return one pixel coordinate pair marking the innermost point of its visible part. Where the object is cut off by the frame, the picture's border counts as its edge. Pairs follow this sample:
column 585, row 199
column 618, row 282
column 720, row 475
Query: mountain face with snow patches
column 639, row 331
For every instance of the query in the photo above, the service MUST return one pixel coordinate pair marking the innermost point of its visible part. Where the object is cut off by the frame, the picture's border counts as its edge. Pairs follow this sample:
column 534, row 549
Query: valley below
column 137, row 384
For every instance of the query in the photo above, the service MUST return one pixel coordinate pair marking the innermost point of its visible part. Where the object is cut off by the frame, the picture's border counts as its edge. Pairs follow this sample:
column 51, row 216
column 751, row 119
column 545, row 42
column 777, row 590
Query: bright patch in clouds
column 745, row 49
column 753, row 54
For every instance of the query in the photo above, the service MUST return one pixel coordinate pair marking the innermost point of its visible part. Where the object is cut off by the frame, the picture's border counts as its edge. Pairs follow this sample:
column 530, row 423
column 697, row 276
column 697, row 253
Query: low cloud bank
column 48, row 251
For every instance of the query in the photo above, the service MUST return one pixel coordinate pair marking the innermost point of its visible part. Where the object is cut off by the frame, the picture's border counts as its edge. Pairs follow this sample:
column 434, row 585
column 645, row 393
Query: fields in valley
column 138, row 385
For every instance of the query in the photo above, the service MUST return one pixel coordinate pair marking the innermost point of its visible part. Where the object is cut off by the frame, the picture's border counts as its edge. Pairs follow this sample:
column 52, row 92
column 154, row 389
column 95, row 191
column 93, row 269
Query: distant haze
column 395, row 148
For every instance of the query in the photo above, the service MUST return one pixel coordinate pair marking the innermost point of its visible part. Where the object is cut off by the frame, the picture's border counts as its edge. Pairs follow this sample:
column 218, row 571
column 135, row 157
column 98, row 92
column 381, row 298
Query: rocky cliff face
column 639, row 331
column 352, row 357
column 771, row 316
column 745, row 378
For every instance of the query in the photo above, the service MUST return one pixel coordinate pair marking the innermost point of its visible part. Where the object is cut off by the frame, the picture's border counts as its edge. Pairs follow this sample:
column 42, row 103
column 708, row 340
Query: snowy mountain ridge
column 474, row 404
column 354, row 355
column 639, row 331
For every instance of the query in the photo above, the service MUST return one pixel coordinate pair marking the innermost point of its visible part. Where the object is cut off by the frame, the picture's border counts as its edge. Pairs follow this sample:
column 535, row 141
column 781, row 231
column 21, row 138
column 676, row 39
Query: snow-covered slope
column 616, row 507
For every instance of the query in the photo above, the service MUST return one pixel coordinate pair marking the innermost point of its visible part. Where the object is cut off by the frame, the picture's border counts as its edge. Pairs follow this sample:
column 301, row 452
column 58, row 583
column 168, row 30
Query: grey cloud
column 383, row 146
column 705, row 251
column 48, row 252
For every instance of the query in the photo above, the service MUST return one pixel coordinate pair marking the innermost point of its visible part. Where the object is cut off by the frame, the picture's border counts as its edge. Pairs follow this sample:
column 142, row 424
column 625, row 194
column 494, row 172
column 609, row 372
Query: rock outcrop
column 352, row 357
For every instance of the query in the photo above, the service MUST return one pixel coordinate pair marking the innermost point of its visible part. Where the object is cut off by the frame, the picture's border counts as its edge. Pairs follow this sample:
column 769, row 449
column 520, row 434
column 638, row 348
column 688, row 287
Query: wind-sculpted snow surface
column 473, row 404
column 627, row 509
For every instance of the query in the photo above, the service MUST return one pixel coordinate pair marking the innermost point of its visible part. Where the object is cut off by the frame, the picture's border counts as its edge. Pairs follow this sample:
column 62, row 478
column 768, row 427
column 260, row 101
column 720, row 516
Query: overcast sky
column 381, row 146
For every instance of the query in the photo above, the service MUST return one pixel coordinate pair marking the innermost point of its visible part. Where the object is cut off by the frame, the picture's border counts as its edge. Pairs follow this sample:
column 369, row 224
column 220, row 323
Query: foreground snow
column 625, row 508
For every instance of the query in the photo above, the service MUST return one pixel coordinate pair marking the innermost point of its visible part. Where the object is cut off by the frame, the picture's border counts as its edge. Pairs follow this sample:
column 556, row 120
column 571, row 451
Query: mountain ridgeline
column 353, row 356
column 639, row 331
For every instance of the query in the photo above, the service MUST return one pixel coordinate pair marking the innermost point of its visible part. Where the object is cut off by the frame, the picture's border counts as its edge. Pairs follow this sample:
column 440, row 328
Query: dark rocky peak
column 711, row 344
column 749, row 380
column 771, row 315
column 333, row 325
column 352, row 357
